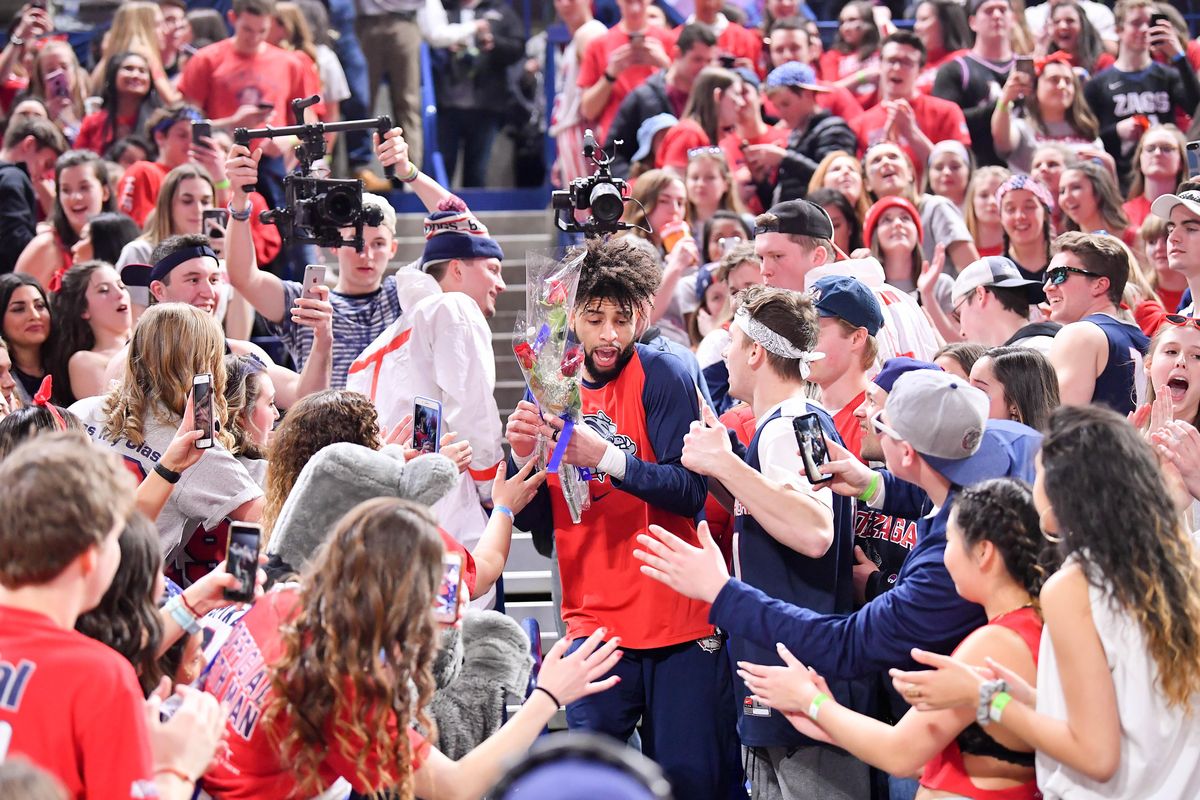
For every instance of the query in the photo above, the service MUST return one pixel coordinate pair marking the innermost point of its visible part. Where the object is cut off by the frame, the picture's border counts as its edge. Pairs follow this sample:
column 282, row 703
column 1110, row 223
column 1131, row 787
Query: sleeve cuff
column 613, row 462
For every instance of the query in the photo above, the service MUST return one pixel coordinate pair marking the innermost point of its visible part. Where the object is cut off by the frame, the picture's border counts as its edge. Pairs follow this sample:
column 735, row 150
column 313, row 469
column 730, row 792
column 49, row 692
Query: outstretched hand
column 851, row 477
column 695, row 572
column 950, row 684
column 570, row 677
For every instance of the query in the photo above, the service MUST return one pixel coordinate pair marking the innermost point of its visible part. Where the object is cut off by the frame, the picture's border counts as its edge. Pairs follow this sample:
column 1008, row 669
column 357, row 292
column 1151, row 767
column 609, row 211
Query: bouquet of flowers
column 551, row 361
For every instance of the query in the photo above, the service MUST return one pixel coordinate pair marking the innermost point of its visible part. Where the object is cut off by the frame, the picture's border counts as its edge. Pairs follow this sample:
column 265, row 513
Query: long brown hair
column 1079, row 115
column 1137, row 186
column 702, row 106
column 646, row 189
column 159, row 223
column 1108, row 198
column 321, row 419
column 368, row 590
column 172, row 343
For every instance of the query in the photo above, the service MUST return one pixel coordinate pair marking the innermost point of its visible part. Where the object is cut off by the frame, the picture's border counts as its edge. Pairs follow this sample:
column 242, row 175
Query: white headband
column 773, row 343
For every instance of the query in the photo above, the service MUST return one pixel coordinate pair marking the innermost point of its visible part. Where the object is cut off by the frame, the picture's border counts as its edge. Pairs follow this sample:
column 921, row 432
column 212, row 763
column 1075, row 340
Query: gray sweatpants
column 809, row 773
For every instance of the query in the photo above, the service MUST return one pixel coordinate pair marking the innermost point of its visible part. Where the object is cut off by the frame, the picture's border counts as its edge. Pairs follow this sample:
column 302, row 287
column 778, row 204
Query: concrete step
column 541, row 610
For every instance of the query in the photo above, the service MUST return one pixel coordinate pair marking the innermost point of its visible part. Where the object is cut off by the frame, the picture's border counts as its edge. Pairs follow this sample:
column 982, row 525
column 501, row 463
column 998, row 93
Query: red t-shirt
column 929, row 72
column 938, row 119
column 731, row 144
column 834, row 65
column 847, row 425
column 736, row 40
column 1137, row 210
column 678, row 140
column 250, row 767
column 220, row 80
column 595, row 62
column 73, row 707
column 138, row 190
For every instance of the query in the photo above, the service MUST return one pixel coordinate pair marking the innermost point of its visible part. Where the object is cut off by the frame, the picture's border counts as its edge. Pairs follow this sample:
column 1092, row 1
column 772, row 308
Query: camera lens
column 339, row 206
column 607, row 204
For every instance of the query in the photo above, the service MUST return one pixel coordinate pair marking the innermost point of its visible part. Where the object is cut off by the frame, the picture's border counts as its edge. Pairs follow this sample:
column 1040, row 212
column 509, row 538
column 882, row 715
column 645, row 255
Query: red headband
column 1057, row 57
column 42, row 398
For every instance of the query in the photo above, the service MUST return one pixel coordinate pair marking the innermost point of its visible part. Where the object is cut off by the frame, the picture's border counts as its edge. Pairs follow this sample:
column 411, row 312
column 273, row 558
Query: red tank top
column 945, row 771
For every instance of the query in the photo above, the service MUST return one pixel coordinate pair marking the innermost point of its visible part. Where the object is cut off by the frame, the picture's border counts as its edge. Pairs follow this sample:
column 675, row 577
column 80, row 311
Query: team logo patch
column 971, row 439
column 710, row 644
column 602, row 424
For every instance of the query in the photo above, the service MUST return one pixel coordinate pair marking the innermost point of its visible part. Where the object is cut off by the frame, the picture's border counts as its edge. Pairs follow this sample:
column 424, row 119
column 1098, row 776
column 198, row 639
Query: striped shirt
column 357, row 320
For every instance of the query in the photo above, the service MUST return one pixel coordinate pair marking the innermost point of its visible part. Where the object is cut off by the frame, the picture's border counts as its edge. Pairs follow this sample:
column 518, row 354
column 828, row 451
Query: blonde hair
column 37, row 84
column 134, row 28
column 172, row 344
column 1137, row 186
column 159, row 224
column 981, row 174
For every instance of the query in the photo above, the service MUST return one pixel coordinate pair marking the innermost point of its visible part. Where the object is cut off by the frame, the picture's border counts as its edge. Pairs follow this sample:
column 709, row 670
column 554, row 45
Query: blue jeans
column 357, row 106
column 471, row 132
column 902, row 788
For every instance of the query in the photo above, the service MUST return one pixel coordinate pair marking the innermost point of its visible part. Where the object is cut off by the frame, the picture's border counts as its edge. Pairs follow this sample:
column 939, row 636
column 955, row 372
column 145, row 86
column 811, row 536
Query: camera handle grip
column 242, row 136
column 382, row 126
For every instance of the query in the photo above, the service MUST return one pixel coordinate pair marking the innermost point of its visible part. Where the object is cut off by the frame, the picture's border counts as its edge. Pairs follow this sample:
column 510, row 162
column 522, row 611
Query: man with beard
column 638, row 404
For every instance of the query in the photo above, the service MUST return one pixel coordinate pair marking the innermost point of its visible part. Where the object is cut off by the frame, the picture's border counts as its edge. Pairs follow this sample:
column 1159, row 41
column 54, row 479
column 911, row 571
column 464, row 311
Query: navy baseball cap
column 847, row 298
column 893, row 368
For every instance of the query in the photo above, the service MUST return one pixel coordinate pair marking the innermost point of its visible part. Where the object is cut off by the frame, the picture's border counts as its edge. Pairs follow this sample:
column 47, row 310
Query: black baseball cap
column 798, row 217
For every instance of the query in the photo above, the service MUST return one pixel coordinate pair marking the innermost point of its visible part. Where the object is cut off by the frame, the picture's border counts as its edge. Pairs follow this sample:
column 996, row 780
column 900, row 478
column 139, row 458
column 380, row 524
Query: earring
column 1047, row 523
column 1014, row 414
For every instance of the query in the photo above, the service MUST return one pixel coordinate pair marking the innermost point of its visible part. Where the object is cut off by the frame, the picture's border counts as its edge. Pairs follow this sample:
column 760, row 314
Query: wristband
column 184, row 618
column 221, row 186
column 609, row 78
column 815, row 706
column 506, row 511
column 168, row 475
column 998, row 704
column 241, row 216
column 413, row 172
column 872, row 488
column 549, row 694
column 16, row 41
column 987, row 692
column 178, row 773
column 188, row 606
column 860, row 77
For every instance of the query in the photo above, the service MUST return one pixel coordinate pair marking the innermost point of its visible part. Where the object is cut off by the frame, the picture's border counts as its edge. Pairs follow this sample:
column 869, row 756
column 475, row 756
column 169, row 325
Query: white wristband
column 613, row 461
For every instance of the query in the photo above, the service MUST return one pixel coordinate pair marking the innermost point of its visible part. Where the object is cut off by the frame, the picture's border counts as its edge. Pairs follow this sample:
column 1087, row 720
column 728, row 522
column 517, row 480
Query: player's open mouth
column 605, row 356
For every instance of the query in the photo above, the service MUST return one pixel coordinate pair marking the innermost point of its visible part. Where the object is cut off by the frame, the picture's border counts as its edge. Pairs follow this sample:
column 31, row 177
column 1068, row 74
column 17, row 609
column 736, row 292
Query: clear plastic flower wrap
column 551, row 361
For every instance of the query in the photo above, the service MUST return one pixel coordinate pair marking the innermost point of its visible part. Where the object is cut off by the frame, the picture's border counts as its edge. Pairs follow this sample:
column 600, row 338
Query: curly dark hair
column 127, row 618
column 1001, row 511
column 1118, row 520
column 620, row 271
column 368, row 590
column 321, row 419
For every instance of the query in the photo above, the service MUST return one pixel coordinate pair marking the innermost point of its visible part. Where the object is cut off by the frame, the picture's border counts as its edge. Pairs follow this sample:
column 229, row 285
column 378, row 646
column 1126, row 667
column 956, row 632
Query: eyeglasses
column 707, row 150
column 1057, row 276
column 879, row 426
column 1180, row 321
column 900, row 62
column 1165, row 147
column 956, row 312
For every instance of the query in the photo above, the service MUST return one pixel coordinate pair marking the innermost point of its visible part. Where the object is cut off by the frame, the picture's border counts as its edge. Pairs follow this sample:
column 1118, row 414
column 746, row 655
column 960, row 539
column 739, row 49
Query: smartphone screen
column 215, row 221
column 241, row 559
column 427, row 425
column 811, row 441
column 57, row 84
column 1159, row 19
column 201, row 130
column 202, row 409
column 314, row 276
column 1025, row 64
column 447, row 606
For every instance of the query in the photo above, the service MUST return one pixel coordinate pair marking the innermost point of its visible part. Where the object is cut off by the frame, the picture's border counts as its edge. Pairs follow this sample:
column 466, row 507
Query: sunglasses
column 1180, row 321
column 1057, row 276
column 879, row 426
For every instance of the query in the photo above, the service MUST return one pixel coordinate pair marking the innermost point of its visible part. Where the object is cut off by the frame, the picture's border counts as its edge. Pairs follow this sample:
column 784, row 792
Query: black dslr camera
column 600, row 193
column 317, row 209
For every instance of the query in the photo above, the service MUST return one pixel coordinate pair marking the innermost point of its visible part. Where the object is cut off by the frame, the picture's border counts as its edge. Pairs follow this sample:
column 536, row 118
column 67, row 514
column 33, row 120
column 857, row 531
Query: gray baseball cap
column 958, row 412
column 990, row 271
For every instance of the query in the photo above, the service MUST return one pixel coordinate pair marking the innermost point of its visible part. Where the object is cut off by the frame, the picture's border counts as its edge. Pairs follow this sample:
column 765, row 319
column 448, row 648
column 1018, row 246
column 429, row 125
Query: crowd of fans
column 890, row 394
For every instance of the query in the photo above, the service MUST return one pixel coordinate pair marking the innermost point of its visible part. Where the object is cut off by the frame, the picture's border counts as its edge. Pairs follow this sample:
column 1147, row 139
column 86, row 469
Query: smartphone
column 314, row 276
column 637, row 39
column 427, row 425
column 728, row 62
column 1159, row 19
column 214, row 221
column 727, row 243
column 265, row 106
column 811, row 441
column 447, row 607
column 1025, row 64
column 241, row 559
column 57, row 84
column 202, row 409
column 201, row 130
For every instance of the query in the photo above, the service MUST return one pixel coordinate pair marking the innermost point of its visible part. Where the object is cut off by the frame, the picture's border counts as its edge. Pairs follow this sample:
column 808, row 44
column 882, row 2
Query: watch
column 609, row 78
